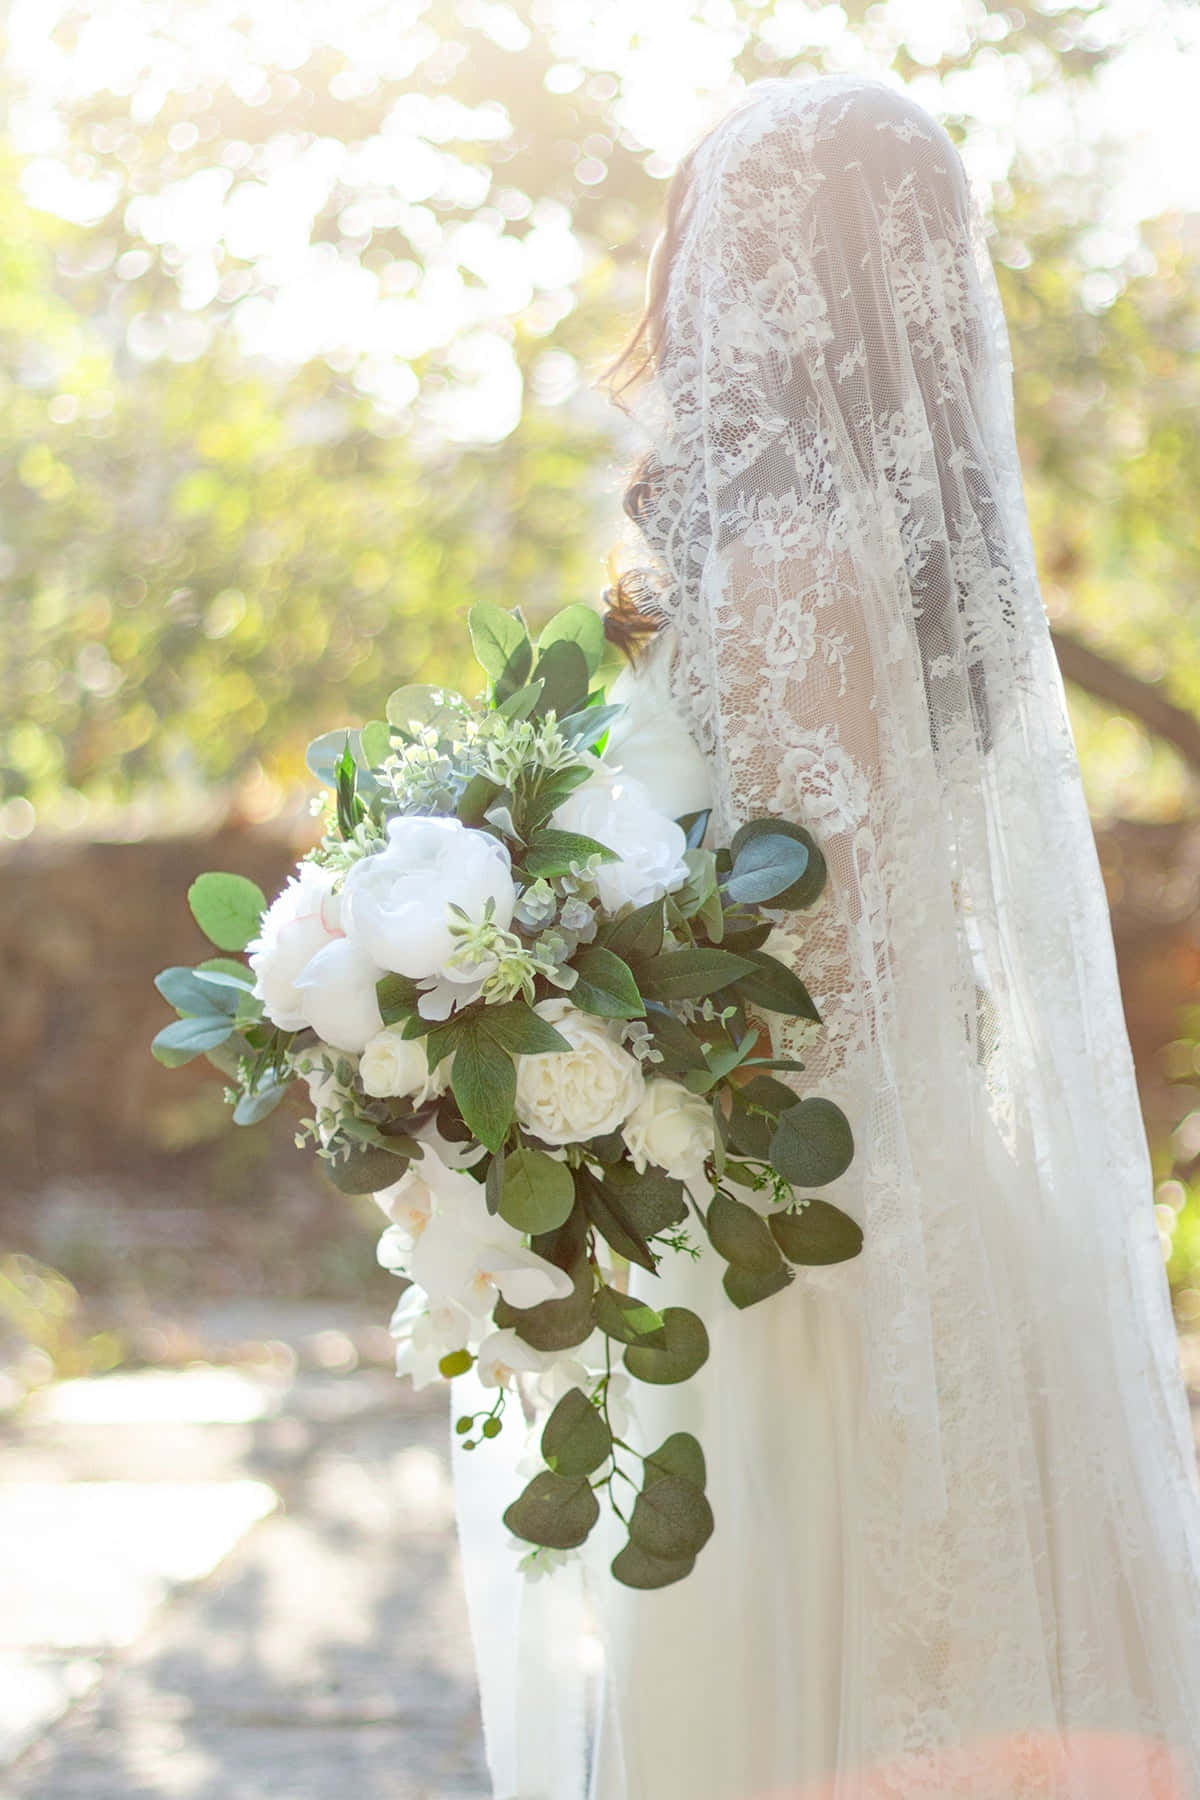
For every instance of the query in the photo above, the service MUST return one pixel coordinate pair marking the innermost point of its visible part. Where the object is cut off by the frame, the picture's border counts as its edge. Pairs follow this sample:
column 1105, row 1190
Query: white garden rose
column 396, row 902
column 394, row 1067
column 299, row 922
column 671, row 1127
column 615, row 809
column 566, row 1096
column 337, row 986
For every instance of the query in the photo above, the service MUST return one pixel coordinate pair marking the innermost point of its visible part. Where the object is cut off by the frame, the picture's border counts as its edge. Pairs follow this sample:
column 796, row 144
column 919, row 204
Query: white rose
column 395, row 1067
column 672, row 1127
column 566, row 1096
column 615, row 809
column 338, row 990
column 396, row 902
column 299, row 922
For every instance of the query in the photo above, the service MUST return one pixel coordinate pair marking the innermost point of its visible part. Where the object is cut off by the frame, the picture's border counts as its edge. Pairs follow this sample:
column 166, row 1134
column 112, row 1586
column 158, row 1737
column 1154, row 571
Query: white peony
column 337, row 986
column 299, row 921
column 566, row 1096
column 671, row 1127
column 396, row 902
column 395, row 1067
column 616, row 810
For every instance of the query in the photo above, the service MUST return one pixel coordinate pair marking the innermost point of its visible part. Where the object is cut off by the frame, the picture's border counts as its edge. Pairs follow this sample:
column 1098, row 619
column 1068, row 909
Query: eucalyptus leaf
column 632, row 1566
column 812, row 1143
column 227, row 908
column 538, row 1191
column 555, row 1510
column 818, row 1233
column 740, row 1235
column 746, row 1287
column 686, row 1349
column 671, row 1519
column 375, row 741
column 628, row 1319
column 553, row 1324
column 575, row 1439
column 189, row 1036
column 254, row 1106
column 366, row 1170
column 651, row 1201
column 765, row 865
column 681, row 1455
column 187, row 992
column 805, row 888
column 412, row 708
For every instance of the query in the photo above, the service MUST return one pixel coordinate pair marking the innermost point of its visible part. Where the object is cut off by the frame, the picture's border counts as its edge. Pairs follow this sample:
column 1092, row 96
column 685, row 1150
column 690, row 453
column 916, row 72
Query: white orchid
column 425, row 1333
column 502, row 1355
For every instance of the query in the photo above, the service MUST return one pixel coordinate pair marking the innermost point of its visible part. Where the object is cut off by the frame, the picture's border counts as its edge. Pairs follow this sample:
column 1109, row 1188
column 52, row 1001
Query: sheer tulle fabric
column 958, row 1519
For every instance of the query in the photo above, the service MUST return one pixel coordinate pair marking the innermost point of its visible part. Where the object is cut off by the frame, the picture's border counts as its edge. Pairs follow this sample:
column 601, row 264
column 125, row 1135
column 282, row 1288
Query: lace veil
column 835, row 513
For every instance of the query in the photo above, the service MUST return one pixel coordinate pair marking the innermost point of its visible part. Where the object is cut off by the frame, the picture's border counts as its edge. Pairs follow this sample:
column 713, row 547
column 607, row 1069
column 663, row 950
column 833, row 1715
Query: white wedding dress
column 957, row 1545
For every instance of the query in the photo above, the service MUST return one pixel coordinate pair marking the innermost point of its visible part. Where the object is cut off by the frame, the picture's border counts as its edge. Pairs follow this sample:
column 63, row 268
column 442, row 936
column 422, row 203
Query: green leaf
column 522, row 701
column 585, row 728
column 493, row 1184
column 551, row 852
column 819, row 1233
column 752, row 867
column 650, row 1202
column 483, row 1080
column 553, row 1324
column 396, row 997
column 681, row 1048
column 555, row 1510
column 325, row 753
column 563, row 669
column 575, row 1438
column 686, row 1349
column 691, row 974
column 671, row 1519
column 517, row 1028
column 185, row 1038
column 413, row 707
column 254, row 1106
column 366, row 1170
column 638, row 935
column 694, row 825
column 755, row 1112
column 636, row 1569
column 550, row 793
column 607, row 1212
column 681, row 1455
column 812, row 1143
column 606, row 985
column 187, row 993
column 375, row 741
column 629, row 1320
column 496, row 639
column 227, row 908
column 579, row 625
column 740, row 1235
column 746, row 1287
column 538, row 1191
column 775, row 987
column 476, row 798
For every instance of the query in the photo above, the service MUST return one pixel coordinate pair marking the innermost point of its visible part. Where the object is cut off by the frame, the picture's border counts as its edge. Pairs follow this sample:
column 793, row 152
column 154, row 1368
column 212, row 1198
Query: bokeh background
column 303, row 306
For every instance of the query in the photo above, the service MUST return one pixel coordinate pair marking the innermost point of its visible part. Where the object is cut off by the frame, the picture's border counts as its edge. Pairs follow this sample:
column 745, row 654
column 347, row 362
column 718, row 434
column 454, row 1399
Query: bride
column 958, row 1541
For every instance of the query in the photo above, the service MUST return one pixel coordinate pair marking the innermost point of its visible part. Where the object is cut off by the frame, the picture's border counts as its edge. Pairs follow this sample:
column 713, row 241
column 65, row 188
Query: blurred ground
column 236, row 1579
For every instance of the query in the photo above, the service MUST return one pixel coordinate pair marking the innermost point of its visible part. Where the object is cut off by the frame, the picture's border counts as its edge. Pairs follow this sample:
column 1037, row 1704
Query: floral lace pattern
column 838, row 525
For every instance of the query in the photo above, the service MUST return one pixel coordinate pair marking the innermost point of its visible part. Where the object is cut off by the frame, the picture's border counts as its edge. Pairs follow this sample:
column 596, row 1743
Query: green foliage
column 818, row 1233
column 537, row 1192
column 685, row 1350
column 555, row 1510
column 575, row 1438
column 812, row 1143
column 227, row 908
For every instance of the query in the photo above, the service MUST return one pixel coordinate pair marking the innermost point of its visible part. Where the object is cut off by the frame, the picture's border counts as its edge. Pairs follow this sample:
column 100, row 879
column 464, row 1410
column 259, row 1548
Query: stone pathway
column 235, row 1583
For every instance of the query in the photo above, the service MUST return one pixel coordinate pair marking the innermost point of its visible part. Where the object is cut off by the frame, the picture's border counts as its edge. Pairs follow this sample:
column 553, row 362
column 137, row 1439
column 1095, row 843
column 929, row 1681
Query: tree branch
column 1110, row 682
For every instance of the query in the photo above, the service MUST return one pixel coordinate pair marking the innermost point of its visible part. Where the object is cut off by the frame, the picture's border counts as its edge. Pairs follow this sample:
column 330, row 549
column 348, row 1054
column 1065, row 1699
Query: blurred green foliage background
column 302, row 311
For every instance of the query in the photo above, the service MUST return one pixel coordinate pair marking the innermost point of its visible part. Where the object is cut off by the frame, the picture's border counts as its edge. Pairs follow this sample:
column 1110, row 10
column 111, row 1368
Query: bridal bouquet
column 524, row 1004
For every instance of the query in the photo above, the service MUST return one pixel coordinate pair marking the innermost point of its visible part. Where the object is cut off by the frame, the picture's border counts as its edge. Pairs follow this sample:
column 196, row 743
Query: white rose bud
column 615, row 809
column 396, row 902
column 394, row 1067
column 299, row 921
column 566, row 1096
column 671, row 1127
column 338, row 988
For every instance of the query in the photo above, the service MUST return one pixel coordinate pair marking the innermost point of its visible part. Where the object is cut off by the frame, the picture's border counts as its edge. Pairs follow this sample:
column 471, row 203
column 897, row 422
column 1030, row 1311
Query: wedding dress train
column 957, row 1543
